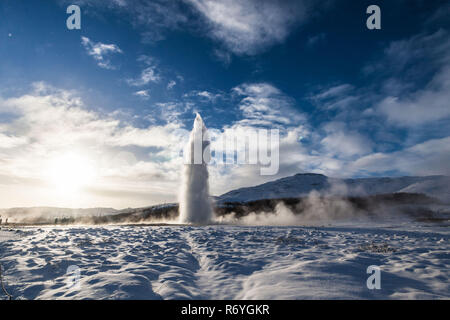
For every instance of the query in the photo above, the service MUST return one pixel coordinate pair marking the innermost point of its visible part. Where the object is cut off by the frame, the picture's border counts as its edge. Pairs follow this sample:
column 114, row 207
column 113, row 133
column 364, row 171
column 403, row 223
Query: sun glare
column 70, row 172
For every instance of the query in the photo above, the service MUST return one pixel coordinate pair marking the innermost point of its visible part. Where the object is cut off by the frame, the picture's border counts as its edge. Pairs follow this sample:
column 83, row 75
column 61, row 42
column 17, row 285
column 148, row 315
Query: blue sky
column 120, row 95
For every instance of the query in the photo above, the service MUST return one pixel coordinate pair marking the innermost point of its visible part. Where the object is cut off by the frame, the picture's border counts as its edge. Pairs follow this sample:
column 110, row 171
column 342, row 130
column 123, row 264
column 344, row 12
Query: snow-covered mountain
column 302, row 184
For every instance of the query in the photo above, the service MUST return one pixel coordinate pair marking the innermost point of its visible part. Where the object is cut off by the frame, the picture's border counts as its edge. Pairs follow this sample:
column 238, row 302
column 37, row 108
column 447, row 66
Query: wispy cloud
column 249, row 27
column 316, row 39
column 155, row 18
column 100, row 52
column 204, row 95
column 415, row 104
column 223, row 56
column 265, row 105
column 143, row 94
column 335, row 97
column 171, row 84
column 332, row 92
column 148, row 74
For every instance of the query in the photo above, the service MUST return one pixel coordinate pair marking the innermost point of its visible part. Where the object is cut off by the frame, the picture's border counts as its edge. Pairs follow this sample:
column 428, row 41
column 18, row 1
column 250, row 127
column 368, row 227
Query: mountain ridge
column 302, row 184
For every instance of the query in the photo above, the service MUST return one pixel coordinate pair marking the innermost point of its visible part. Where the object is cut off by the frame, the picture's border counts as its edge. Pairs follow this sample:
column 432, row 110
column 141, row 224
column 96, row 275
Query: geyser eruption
column 195, row 204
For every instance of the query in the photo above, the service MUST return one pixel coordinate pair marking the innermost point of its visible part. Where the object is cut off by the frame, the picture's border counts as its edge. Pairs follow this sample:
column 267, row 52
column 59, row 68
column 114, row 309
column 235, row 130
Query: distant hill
column 53, row 215
column 48, row 213
column 301, row 185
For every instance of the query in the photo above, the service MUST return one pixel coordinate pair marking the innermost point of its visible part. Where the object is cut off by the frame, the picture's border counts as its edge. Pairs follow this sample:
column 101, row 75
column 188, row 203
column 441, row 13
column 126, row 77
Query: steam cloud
column 195, row 204
column 317, row 208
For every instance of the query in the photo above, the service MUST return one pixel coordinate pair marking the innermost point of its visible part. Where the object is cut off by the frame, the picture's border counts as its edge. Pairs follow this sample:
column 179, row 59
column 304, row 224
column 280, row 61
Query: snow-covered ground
column 226, row 262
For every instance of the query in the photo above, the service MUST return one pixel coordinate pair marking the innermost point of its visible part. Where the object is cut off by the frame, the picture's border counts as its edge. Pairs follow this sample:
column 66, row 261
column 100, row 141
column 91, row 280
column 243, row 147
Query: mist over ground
column 311, row 210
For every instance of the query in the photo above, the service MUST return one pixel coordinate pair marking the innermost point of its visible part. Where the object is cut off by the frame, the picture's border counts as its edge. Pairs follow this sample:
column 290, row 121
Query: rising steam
column 195, row 204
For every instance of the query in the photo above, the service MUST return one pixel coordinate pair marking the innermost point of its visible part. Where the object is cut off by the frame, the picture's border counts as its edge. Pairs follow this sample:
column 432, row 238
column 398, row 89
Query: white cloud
column 172, row 111
column 204, row 95
column 422, row 106
column 100, row 52
column 68, row 122
column 49, row 122
column 415, row 103
column 265, row 105
column 249, row 27
column 156, row 136
column 171, row 84
column 142, row 93
column 341, row 142
column 148, row 74
column 7, row 141
column 431, row 157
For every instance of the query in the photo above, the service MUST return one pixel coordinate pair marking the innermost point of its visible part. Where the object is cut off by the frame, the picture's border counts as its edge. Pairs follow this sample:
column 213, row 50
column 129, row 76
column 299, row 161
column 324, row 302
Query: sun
column 70, row 172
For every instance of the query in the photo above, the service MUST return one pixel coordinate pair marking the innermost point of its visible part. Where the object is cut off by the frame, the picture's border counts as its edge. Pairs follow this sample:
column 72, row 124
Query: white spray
column 195, row 204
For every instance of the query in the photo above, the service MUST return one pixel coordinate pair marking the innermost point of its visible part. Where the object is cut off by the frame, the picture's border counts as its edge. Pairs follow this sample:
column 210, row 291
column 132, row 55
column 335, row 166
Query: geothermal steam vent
column 195, row 204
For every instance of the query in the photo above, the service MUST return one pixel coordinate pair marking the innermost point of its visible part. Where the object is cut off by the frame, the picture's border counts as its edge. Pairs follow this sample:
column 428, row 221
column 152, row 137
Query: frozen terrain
column 226, row 262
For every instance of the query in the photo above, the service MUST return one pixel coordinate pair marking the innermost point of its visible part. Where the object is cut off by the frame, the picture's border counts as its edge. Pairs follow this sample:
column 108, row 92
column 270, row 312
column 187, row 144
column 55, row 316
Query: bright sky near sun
column 96, row 116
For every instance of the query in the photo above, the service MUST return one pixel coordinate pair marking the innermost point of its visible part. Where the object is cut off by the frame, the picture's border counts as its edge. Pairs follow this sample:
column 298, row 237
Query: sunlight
column 70, row 172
